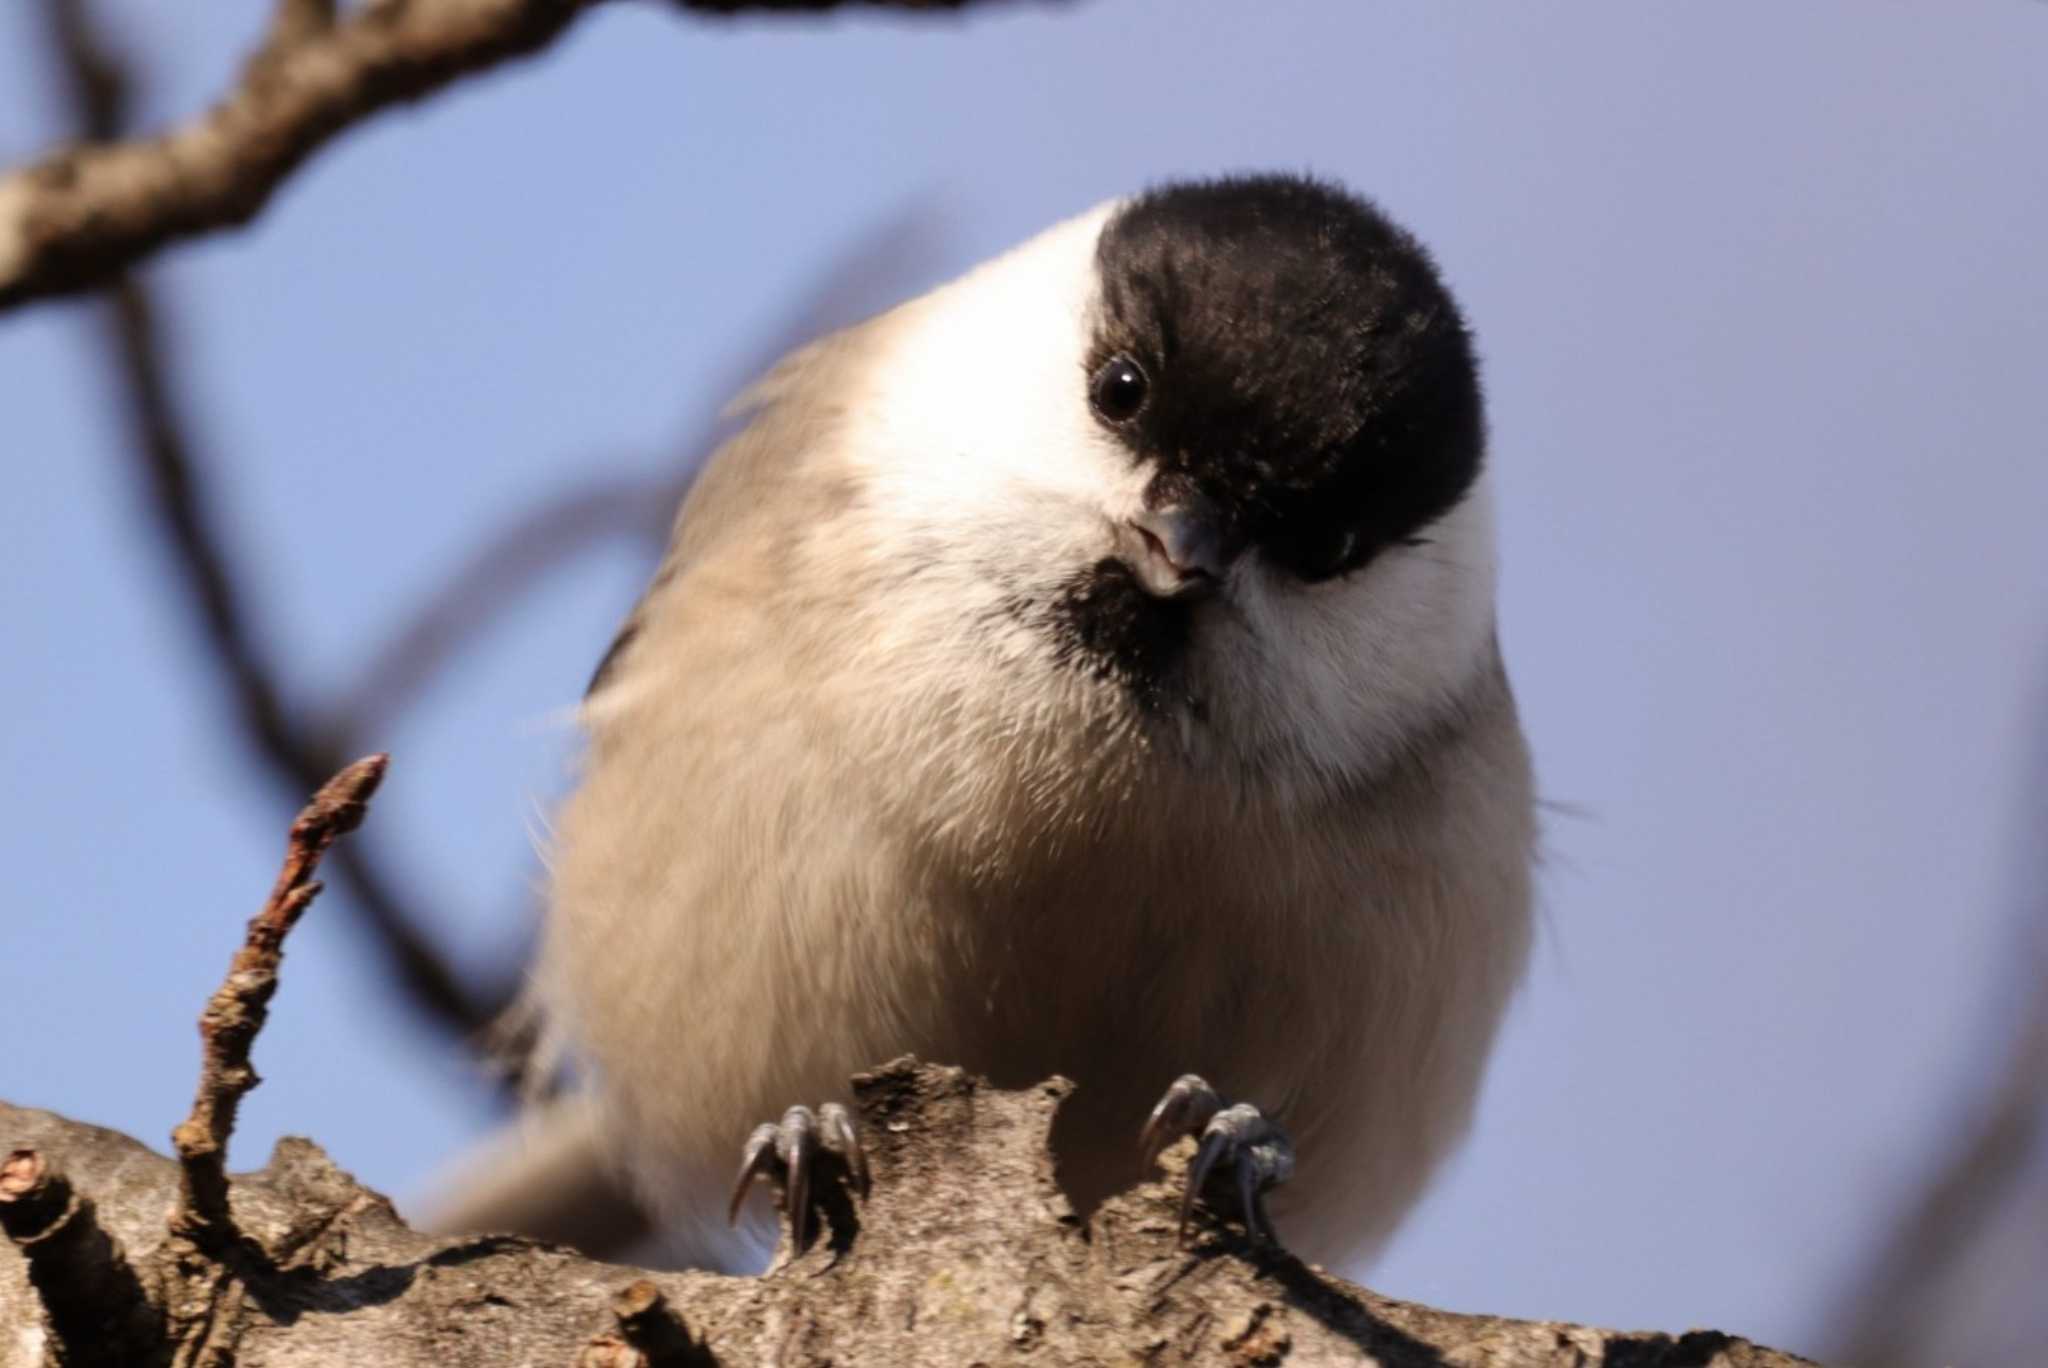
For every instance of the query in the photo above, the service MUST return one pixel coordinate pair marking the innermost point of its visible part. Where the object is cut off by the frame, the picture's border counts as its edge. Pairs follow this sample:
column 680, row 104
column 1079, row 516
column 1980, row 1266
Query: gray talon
column 785, row 1153
column 843, row 1140
column 757, row 1160
column 1184, row 1110
column 1240, row 1136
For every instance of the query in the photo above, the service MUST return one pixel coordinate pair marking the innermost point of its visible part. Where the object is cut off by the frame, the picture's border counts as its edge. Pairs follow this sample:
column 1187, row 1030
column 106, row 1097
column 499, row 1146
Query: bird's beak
column 1180, row 549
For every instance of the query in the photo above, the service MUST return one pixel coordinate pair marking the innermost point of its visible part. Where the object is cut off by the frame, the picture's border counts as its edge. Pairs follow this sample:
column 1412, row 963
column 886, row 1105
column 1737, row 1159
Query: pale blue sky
column 1762, row 300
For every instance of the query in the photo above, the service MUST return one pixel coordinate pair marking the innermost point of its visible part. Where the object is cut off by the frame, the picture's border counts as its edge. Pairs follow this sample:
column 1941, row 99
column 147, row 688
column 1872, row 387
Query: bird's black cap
column 1303, row 367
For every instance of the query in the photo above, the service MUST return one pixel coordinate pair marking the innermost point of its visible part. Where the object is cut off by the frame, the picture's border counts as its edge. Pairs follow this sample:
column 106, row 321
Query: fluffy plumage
column 903, row 750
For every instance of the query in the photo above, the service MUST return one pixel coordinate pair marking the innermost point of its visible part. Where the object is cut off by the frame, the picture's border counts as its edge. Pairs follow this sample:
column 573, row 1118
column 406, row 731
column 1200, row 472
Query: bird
column 1088, row 667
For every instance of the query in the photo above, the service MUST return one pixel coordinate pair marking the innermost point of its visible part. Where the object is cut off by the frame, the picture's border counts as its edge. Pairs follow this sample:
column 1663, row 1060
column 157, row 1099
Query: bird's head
column 1214, row 454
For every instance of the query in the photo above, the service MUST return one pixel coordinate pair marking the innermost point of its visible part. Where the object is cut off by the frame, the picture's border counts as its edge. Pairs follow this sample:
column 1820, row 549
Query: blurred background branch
column 1962, row 1268
column 296, row 743
column 171, row 470
column 71, row 221
column 1958, row 1277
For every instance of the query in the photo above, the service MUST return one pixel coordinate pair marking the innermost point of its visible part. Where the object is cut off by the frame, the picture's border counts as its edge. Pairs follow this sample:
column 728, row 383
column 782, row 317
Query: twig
column 97, row 86
column 75, row 219
column 228, row 1027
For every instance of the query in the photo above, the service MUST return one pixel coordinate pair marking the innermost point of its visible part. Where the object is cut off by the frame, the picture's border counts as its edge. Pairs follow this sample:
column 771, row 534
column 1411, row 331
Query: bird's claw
column 786, row 1152
column 1238, row 1137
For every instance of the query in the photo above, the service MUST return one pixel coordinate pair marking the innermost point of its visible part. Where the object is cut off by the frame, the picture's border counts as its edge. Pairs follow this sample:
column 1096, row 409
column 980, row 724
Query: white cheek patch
column 1333, row 676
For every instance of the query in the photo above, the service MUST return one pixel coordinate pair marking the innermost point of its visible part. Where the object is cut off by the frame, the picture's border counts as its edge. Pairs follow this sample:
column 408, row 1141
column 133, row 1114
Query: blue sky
column 1763, row 309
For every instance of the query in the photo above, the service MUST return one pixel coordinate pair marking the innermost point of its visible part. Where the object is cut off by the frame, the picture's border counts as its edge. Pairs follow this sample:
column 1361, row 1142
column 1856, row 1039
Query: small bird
column 1088, row 667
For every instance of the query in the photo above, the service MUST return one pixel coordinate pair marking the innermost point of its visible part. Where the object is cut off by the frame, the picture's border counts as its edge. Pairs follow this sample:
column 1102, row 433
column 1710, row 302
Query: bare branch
column 965, row 1251
column 236, row 1012
column 172, row 475
column 74, row 219
column 78, row 217
column 97, row 86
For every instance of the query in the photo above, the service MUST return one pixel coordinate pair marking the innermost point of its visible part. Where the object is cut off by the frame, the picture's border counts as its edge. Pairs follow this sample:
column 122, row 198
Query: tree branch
column 73, row 220
column 171, row 474
column 76, row 218
column 963, row 1249
column 965, row 1252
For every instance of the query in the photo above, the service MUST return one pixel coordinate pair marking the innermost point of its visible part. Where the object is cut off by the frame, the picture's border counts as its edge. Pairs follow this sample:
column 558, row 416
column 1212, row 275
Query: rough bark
column 965, row 1252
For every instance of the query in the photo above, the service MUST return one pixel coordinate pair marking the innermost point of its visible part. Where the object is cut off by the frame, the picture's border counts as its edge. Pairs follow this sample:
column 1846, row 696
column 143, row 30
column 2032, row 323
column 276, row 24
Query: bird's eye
column 1316, row 553
column 1118, row 389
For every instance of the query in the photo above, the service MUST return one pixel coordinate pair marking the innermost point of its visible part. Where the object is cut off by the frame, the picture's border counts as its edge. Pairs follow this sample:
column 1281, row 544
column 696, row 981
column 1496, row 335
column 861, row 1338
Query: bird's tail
column 548, row 1176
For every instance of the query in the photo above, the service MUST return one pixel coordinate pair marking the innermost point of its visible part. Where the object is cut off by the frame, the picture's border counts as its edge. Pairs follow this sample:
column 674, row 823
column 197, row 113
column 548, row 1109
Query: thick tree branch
column 75, row 219
column 963, row 1251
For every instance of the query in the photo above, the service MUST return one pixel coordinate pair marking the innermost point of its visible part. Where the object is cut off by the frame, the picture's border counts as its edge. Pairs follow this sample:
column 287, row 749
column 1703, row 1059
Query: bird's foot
column 788, row 1154
column 1238, row 1137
